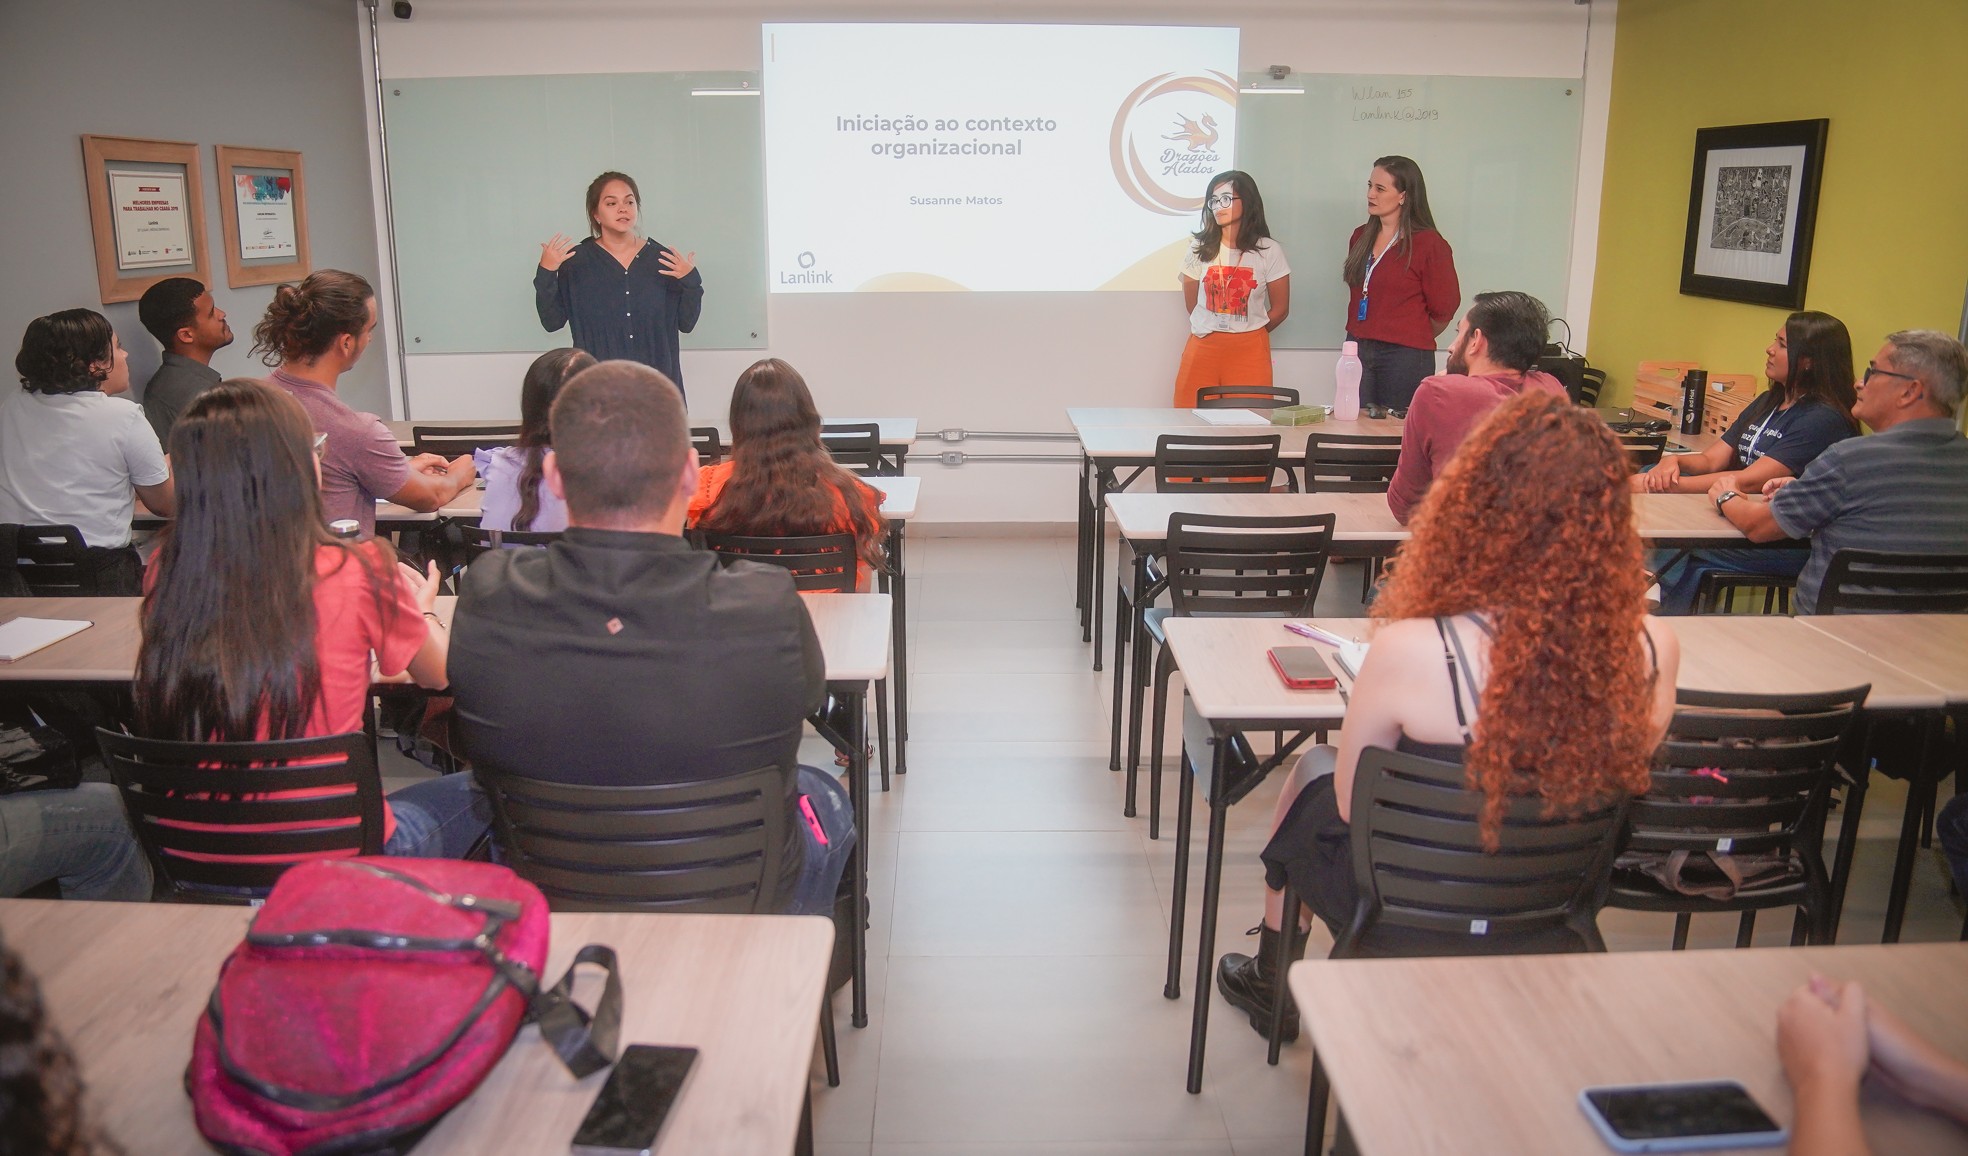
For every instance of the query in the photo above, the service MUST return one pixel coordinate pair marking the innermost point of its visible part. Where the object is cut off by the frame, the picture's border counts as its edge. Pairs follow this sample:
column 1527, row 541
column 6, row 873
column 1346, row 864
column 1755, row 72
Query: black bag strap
column 585, row 1043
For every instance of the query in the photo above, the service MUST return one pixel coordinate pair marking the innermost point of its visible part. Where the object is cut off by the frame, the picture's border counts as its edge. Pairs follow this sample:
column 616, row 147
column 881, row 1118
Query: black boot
column 1250, row 985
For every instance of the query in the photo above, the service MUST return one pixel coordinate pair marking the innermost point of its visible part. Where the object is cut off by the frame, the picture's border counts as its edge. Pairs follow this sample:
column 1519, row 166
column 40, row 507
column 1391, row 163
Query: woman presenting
column 627, row 296
column 1397, row 308
column 1237, row 288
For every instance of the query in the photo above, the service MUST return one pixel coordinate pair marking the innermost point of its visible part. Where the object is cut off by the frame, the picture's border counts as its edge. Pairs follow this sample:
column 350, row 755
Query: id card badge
column 1224, row 322
column 1361, row 315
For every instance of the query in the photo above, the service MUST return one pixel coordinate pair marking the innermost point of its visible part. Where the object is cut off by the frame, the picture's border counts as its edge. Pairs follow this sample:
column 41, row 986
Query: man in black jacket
column 620, row 655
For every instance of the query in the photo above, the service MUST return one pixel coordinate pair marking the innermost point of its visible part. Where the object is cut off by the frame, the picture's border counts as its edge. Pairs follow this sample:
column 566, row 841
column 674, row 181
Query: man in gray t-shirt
column 180, row 313
column 1901, row 490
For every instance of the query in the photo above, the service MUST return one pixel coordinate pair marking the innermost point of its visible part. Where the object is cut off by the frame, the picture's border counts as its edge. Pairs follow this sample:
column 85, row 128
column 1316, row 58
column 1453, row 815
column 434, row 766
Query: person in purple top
column 313, row 333
column 626, row 297
column 516, row 493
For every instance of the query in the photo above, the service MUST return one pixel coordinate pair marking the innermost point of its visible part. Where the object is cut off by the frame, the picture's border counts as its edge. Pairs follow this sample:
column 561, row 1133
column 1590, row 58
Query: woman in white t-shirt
column 1237, row 288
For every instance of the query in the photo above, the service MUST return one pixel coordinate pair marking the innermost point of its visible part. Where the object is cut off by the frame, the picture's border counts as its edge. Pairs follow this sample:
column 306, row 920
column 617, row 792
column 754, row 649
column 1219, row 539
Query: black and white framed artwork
column 1752, row 209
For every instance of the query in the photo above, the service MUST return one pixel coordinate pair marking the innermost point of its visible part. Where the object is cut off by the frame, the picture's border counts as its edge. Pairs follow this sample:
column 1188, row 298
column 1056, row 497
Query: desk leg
column 1099, row 555
column 1921, row 789
column 1179, row 901
column 857, row 790
column 1206, row 933
column 1123, row 635
column 900, row 606
column 1083, row 565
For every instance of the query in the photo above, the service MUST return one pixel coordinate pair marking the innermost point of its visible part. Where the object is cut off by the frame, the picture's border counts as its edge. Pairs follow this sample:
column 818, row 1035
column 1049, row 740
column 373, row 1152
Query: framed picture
column 147, row 211
column 263, row 204
column 1752, row 209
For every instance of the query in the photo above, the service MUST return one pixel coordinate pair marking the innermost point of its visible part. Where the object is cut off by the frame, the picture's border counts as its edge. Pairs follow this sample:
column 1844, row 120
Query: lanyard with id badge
column 1366, row 281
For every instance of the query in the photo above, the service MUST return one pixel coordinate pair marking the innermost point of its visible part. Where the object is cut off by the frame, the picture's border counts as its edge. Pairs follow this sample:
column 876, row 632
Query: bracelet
column 432, row 615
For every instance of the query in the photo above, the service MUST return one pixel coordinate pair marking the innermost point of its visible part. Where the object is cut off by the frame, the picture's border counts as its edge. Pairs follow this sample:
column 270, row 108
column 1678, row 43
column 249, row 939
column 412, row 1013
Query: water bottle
column 1346, row 383
column 1694, row 400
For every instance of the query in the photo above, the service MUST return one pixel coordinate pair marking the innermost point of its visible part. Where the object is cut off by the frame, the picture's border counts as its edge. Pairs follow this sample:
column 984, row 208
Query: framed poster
column 1752, row 210
column 146, row 211
column 263, row 211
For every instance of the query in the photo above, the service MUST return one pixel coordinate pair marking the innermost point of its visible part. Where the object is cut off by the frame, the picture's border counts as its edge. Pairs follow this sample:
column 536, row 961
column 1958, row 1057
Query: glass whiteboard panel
column 484, row 169
column 1499, row 154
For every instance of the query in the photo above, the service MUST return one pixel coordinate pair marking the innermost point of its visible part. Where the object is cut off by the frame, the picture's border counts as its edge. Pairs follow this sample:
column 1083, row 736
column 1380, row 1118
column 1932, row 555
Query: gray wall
column 283, row 74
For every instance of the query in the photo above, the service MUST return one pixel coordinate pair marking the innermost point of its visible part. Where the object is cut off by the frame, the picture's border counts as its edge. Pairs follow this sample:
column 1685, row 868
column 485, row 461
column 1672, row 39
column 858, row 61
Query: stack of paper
column 1231, row 416
column 23, row 636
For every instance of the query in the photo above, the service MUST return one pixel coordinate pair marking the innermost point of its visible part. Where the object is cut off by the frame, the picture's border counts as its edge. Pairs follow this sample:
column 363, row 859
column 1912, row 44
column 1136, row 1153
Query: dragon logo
column 1165, row 171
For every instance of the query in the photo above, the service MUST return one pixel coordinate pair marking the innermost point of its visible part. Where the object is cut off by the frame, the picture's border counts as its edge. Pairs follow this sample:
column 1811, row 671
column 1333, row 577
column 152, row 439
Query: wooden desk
column 1931, row 647
column 1086, row 418
column 898, row 434
column 1490, row 1054
column 1232, row 687
column 1364, row 519
column 125, row 983
column 1769, row 654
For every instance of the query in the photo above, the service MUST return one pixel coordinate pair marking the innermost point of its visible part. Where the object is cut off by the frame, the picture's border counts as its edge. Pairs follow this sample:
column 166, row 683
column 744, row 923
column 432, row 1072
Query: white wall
column 986, row 361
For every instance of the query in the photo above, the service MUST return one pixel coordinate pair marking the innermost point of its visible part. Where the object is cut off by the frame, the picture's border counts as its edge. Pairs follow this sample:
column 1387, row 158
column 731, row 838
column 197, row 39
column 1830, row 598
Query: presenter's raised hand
column 555, row 252
column 675, row 264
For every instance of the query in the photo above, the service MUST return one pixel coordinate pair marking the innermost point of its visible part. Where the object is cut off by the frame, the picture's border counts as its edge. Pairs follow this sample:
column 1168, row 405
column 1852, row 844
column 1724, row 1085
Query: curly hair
column 303, row 321
column 40, row 1089
column 67, row 352
column 1531, row 524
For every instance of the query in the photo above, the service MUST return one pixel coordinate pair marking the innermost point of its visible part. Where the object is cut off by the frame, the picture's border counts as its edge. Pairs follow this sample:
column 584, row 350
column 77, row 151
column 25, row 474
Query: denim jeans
column 1952, row 825
column 1390, row 374
column 441, row 818
column 1680, row 581
column 823, row 863
column 78, row 837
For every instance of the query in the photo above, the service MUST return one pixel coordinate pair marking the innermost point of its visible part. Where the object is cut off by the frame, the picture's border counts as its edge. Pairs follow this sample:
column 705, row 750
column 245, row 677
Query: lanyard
column 1366, row 281
column 1769, row 420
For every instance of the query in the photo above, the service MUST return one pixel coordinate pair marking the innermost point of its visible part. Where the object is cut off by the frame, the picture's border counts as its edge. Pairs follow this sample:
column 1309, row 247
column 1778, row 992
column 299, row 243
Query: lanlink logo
column 1163, row 145
column 807, row 275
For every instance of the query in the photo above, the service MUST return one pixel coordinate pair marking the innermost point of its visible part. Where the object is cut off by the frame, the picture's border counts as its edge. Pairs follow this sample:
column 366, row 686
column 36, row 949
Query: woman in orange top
column 780, row 480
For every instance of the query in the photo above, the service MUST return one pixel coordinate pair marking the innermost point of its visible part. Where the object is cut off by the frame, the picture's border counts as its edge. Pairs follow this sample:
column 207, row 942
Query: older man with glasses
column 1901, row 490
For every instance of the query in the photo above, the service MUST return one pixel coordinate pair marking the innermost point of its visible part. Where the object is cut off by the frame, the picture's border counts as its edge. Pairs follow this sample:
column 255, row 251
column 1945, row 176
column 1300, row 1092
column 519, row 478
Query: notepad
column 1350, row 653
column 1232, row 416
column 23, row 636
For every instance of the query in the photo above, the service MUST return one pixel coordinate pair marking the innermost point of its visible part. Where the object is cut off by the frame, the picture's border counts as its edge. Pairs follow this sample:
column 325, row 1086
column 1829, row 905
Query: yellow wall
column 1892, row 236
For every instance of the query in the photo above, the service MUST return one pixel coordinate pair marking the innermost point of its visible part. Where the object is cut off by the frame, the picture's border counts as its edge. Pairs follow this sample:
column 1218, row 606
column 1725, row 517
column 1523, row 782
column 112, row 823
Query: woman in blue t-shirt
column 1807, row 407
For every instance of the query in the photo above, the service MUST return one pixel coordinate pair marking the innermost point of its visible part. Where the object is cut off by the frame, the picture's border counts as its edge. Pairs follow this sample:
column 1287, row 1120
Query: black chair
column 1592, row 382
column 1215, row 464
column 1244, row 397
column 855, row 445
column 1220, row 566
column 450, row 441
column 1870, row 582
column 1424, row 877
column 1718, row 589
column 821, row 564
column 476, row 540
column 164, row 783
column 1742, row 775
column 708, row 443
column 52, row 560
column 713, row 847
column 1643, row 451
column 1350, row 463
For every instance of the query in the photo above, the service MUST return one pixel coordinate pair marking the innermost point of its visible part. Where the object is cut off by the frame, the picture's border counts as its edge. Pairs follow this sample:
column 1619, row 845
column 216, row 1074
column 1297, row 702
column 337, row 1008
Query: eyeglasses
column 320, row 443
column 1873, row 371
column 1222, row 200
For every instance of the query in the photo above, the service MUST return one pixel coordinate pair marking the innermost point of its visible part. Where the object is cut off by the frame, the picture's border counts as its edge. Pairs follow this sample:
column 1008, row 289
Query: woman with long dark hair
column 312, row 334
column 259, row 624
column 1396, row 309
column 516, row 493
column 1512, row 637
column 1806, row 409
column 780, row 480
column 74, row 451
column 1236, row 288
column 627, row 297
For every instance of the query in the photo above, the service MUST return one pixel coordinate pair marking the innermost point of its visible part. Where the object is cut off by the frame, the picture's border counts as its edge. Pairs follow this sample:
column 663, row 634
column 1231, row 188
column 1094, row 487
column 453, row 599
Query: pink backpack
column 373, row 995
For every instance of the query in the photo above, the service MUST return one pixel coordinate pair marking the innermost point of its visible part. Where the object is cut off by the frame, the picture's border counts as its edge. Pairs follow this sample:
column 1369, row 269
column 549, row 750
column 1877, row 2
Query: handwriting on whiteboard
column 1372, row 102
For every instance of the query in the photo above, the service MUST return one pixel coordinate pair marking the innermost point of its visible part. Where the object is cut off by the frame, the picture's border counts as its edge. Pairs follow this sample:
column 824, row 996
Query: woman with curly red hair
column 1511, row 637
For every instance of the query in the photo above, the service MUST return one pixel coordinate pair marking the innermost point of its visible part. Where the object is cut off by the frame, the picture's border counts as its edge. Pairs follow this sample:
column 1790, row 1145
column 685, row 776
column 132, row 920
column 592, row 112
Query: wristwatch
column 1724, row 496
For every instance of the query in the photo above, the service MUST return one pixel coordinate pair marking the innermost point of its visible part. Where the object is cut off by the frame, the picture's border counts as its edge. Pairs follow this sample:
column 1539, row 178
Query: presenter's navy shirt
column 621, row 314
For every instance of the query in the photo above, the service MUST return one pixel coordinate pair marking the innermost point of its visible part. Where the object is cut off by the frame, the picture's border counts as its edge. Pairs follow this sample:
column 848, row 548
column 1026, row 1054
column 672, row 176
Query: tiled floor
column 1020, row 922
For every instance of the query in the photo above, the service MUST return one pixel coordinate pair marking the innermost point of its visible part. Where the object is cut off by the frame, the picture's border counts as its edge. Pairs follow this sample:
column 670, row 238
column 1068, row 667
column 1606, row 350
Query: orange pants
column 1222, row 359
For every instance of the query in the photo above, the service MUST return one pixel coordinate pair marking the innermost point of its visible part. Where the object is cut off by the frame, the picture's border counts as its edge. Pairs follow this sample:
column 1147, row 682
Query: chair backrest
column 1244, row 397
column 477, row 539
column 1224, row 565
column 708, row 443
column 52, row 560
column 1350, row 463
column 450, row 441
column 1419, row 862
column 1592, row 382
column 1869, row 582
column 825, row 563
column 1228, row 464
column 1643, row 451
column 855, row 445
column 713, row 846
column 1743, row 773
column 229, row 786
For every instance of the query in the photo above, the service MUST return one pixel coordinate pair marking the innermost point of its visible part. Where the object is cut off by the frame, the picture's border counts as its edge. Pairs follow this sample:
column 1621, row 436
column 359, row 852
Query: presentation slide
column 990, row 157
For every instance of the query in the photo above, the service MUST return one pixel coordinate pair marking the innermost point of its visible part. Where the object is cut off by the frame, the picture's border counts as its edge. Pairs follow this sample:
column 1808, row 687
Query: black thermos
column 1694, row 400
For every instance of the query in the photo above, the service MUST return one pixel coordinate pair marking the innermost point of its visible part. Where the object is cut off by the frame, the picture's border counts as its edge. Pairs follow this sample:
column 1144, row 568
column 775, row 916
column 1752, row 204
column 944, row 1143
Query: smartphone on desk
column 1680, row 1117
column 1302, row 668
column 628, row 1115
